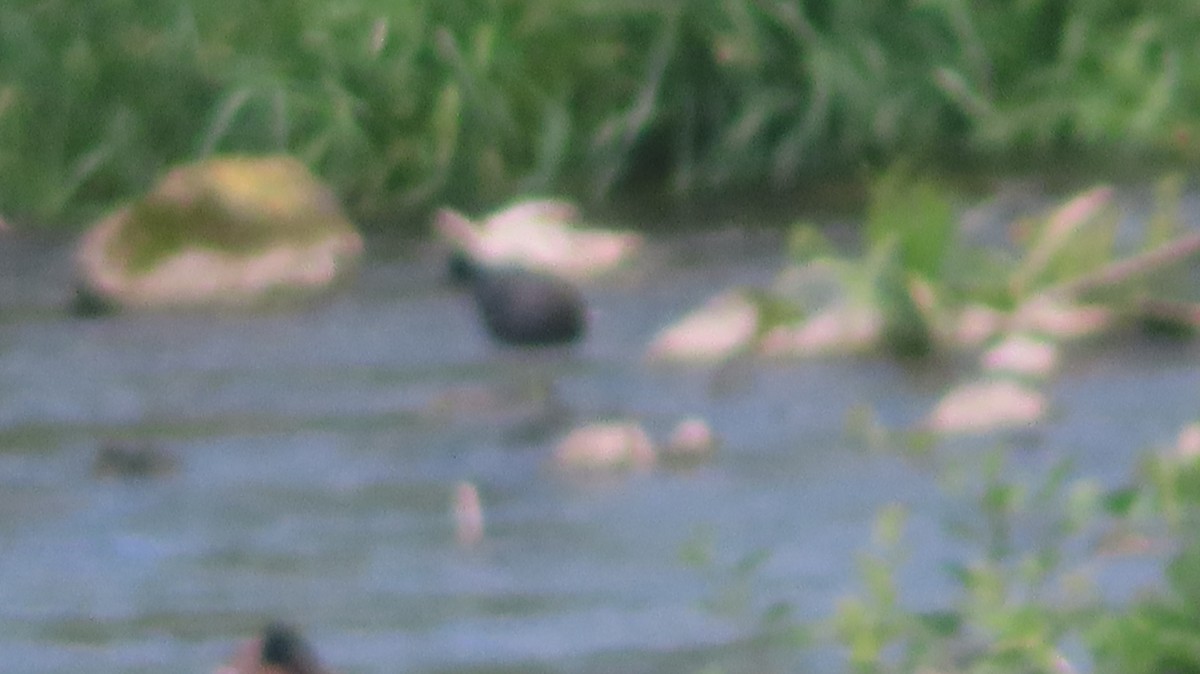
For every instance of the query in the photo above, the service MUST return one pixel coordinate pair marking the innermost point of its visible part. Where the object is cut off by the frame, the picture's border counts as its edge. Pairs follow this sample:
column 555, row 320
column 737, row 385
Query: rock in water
column 535, row 234
column 528, row 308
column 220, row 232
column 606, row 446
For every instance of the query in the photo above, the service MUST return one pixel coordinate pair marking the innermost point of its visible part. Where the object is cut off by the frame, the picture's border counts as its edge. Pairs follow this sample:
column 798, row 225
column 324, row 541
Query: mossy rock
column 223, row 232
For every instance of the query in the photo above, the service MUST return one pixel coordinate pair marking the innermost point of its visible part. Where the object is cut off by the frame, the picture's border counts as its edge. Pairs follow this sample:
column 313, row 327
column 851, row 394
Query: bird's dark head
column 463, row 239
column 461, row 267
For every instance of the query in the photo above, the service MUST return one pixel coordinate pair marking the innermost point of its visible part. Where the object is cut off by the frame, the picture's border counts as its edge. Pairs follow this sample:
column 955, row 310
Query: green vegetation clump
column 1158, row 632
column 1020, row 599
column 400, row 105
column 1028, row 600
column 1032, row 584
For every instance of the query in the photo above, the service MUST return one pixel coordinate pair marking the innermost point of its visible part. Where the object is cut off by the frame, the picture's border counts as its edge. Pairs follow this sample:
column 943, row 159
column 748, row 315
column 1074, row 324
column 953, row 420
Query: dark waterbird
column 522, row 307
column 279, row 650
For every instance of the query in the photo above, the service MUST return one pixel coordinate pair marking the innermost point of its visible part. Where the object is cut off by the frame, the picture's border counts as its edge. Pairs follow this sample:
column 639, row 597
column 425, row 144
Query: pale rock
column 724, row 326
column 605, row 446
column 539, row 235
column 220, row 232
column 838, row 329
column 989, row 405
column 1022, row 354
column 691, row 441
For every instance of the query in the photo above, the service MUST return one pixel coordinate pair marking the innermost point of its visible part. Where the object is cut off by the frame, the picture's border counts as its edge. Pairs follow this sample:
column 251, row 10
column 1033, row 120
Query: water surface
column 319, row 450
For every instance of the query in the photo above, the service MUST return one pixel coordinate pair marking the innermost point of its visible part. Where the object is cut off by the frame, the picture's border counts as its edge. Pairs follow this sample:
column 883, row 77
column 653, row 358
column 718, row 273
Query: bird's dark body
column 528, row 308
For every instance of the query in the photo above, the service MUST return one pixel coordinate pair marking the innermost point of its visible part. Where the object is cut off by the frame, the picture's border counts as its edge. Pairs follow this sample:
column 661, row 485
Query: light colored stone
column 221, row 232
column 835, row 330
column 1022, row 354
column 725, row 325
column 692, row 440
column 613, row 445
column 989, row 405
column 540, row 235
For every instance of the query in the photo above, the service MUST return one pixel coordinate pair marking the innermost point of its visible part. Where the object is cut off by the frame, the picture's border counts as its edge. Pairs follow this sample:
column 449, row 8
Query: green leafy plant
column 1017, row 601
column 1158, row 632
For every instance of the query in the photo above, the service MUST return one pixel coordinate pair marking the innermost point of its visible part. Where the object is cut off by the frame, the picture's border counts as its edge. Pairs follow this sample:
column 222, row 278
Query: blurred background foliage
column 402, row 104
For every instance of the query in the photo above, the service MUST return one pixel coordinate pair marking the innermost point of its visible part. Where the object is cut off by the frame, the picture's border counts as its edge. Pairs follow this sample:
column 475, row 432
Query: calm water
column 319, row 450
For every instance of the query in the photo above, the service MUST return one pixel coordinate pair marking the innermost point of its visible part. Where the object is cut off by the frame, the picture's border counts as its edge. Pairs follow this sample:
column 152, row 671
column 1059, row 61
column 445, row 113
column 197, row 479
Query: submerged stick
column 1128, row 268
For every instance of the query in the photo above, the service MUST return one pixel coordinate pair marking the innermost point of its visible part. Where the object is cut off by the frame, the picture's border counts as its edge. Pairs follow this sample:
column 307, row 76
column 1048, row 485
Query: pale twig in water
column 1131, row 267
column 468, row 514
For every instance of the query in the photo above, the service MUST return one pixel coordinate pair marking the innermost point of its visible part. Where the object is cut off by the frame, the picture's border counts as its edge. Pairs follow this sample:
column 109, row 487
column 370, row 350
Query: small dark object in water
column 280, row 650
column 527, row 308
column 132, row 460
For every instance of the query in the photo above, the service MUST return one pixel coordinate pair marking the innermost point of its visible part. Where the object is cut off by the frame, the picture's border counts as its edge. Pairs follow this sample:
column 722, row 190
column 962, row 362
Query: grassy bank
column 403, row 104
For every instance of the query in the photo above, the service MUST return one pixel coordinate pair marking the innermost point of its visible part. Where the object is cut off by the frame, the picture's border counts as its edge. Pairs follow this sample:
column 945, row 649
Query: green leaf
column 1119, row 502
column 917, row 215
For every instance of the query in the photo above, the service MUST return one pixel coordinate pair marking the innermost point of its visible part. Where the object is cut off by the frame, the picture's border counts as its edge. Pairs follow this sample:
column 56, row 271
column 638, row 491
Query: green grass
column 403, row 104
